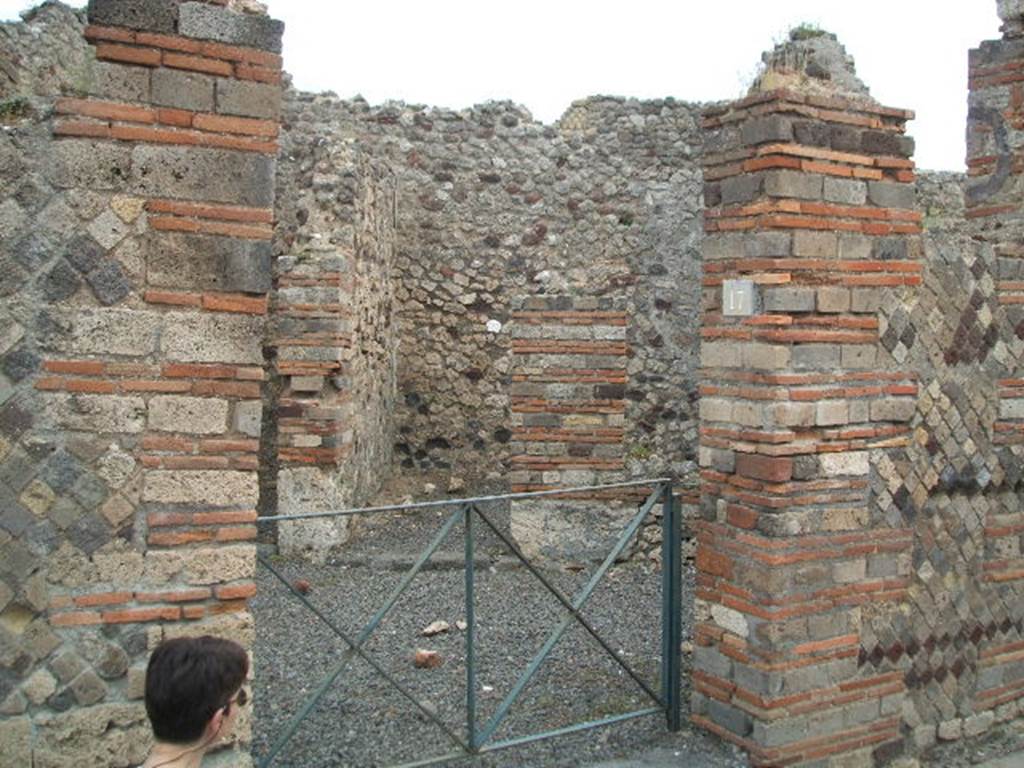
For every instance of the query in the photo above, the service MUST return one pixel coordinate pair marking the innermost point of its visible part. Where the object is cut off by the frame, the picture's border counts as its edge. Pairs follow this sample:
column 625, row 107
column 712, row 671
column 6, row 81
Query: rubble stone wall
column 135, row 257
column 494, row 209
column 186, row 334
column 334, row 340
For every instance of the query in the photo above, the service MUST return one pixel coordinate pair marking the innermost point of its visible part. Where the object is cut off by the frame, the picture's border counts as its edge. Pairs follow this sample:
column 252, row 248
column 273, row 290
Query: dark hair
column 188, row 679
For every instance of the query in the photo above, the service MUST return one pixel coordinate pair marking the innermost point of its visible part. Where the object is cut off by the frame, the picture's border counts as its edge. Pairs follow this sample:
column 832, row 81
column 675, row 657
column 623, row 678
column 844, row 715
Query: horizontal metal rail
column 477, row 738
column 460, row 502
column 521, row 740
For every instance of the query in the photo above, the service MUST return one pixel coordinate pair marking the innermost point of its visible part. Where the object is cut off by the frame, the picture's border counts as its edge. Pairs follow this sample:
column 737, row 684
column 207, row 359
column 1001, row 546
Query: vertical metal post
column 470, row 632
column 671, row 607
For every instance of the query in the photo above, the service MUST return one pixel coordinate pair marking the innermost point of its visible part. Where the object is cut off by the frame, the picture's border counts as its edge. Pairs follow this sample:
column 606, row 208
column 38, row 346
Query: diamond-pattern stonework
column 954, row 484
column 958, row 484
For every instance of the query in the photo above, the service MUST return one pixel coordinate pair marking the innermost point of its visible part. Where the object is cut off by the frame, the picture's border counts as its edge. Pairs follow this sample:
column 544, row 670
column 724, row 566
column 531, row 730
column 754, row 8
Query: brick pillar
column 995, row 211
column 151, row 375
column 810, row 226
column 569, row 378
column 334, row 342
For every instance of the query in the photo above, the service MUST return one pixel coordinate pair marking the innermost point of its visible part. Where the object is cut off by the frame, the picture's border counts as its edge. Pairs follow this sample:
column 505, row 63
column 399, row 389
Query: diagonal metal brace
column 577, row 603
column 355, row 646
column 569, row 607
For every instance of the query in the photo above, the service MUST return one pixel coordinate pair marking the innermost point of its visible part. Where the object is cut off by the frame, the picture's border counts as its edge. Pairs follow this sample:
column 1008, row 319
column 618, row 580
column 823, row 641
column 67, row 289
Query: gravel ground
column 363, row 721
column 1000, row 741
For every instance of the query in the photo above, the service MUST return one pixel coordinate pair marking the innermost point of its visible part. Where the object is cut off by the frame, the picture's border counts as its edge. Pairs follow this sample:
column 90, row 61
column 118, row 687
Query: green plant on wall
column 15, row 108
column 805, row 31
column 639, row 451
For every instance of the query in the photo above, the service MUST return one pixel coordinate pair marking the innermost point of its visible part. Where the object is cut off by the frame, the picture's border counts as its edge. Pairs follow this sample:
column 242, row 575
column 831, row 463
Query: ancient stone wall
column 514, row 303
column 45, row 54
column 495, row 208
column 136, row 264
column 889, row 615
column 334, row 334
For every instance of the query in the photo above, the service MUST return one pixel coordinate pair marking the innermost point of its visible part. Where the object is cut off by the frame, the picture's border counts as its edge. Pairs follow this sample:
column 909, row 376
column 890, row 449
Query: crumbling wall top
column 1012, row 14
column 810, row 61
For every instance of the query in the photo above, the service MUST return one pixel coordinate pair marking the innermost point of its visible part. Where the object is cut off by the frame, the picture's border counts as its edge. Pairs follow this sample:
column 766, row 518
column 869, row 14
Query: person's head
column 192, row 686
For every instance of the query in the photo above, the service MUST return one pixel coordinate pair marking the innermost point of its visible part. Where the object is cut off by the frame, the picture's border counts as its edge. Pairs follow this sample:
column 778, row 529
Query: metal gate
column 478, row 737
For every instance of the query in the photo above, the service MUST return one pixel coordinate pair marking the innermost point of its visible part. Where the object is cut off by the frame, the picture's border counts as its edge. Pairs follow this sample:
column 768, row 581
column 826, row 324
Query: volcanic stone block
column 99, row 331
column 19, row 364
column 766, row 357
column 851, row 572
column 887, row 194
column 205, row 487
column 247, row 268
column 773, row 128
column 719, row 459
column 119, row 81
column 832, row 299
column 183, row 90
column 16, row 734
column 148, row 15
column 789, row 299
column 61, row 282
column 741, row 189
column 14, row 518
column 248, row 99
column 88, row 533
column 815, row 356
column 859, row 356
column 720, row 354
column 67, row 666
column 715, row 409
column 82, row 164
column 815, row 245
column 193, row 415
column 893, row 409
column 208, row 22
column 1011, row 408
column 792, row 414
column 241, row 178
column 832, row 412
column 865, row 300
column 844, row 463
column 761, row 245
column 84, row 253
column 95, row 413
column 109, row 283
column 805, row 186
column 209, row 338
column 845, row 191
column 248, row 417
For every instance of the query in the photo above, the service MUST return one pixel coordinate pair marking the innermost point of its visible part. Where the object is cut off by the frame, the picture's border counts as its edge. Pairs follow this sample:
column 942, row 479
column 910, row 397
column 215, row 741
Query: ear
column 216, row 723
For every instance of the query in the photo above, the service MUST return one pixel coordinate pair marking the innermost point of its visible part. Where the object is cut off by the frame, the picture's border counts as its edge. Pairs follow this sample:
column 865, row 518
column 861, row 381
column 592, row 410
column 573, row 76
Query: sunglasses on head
column 241, row 698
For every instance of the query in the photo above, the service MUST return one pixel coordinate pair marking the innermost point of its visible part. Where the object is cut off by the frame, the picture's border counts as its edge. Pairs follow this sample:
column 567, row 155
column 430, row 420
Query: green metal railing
column 478, row 738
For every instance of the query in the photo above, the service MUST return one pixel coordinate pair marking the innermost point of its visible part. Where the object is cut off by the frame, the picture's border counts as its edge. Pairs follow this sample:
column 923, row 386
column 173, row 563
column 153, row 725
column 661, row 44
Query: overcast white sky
column 546, row 53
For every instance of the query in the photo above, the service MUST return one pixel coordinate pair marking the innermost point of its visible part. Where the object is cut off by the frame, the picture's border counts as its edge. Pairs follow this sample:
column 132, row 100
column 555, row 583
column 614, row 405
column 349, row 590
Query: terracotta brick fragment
column 102, row 598
column 82, row 129
column 76, row 619
column 147, row 57
column 142, row 615
column 174, row 596
column 235, row 591
column 198, row 64
column 113, row 34
column 771, row 469
column 168, row 42
column 107, row 110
